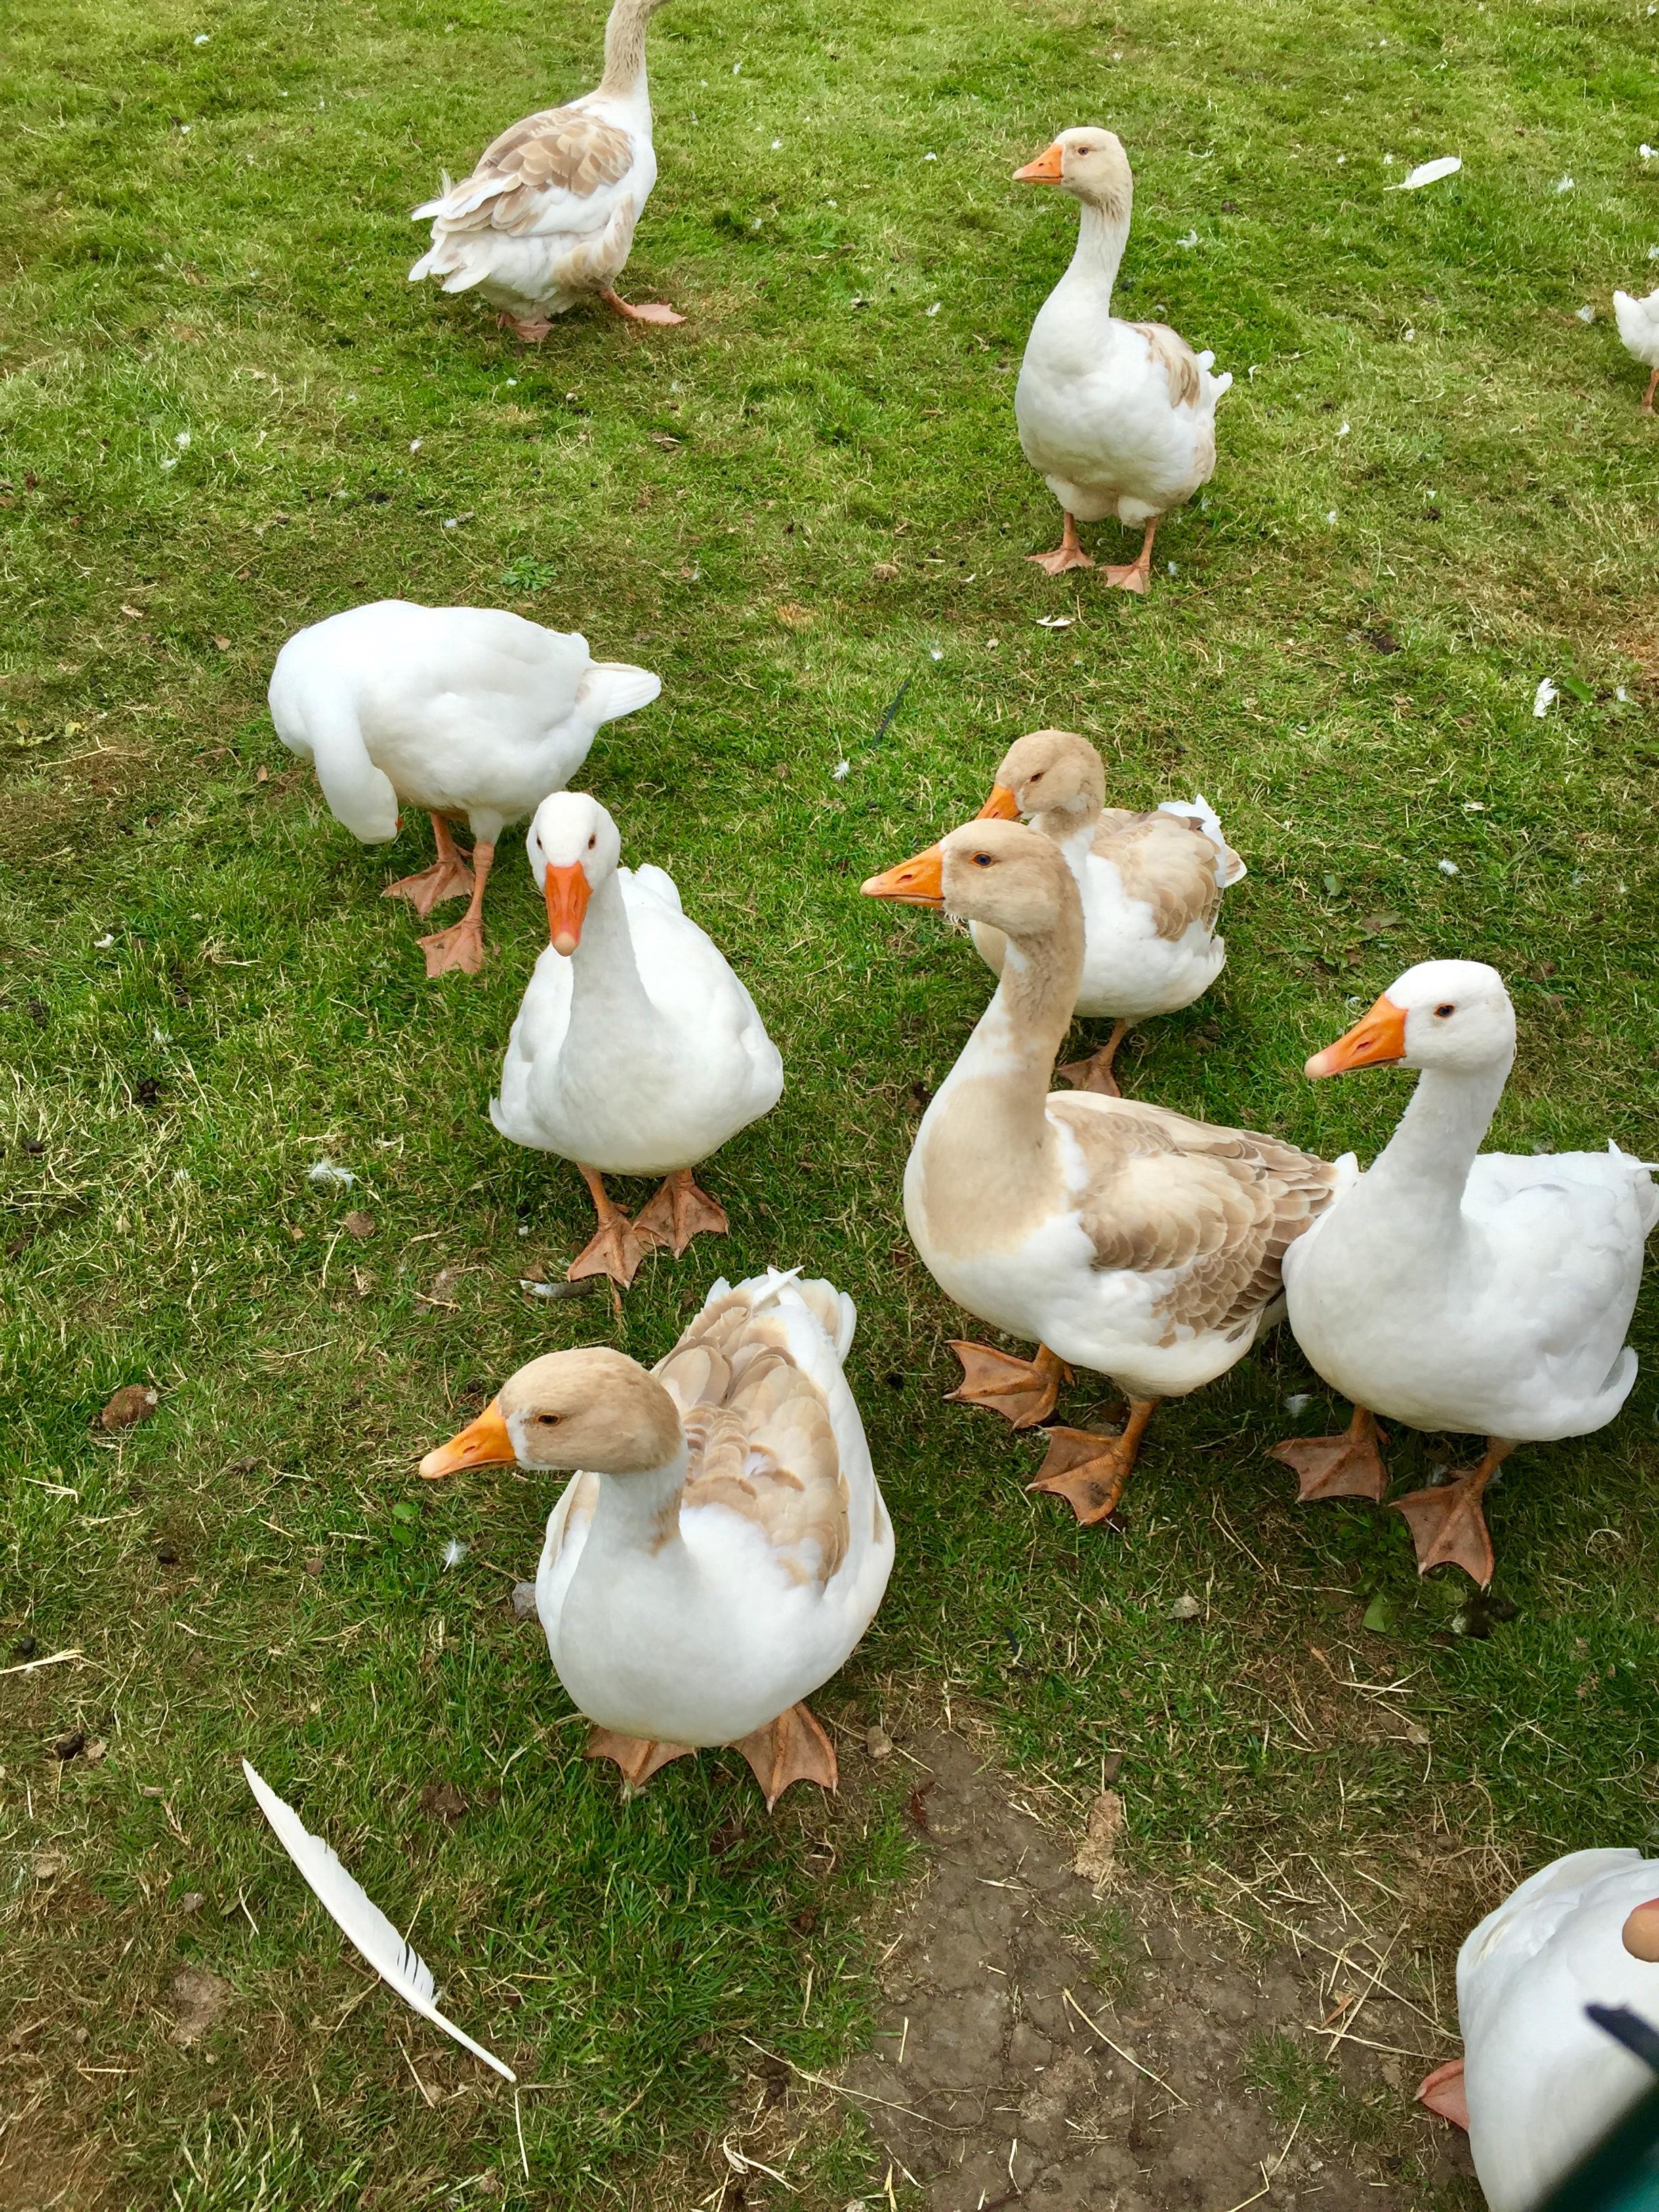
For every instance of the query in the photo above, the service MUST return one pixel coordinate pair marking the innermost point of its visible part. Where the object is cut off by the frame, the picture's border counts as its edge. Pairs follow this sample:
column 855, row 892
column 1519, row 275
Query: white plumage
column 1639, row 326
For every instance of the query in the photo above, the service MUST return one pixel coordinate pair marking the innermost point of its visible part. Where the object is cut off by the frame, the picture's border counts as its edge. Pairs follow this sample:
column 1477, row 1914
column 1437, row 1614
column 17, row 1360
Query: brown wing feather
column 1216, row 1208
column 1167, row 860
column 560, row 150
column 1178, row 360
column 761, row 1442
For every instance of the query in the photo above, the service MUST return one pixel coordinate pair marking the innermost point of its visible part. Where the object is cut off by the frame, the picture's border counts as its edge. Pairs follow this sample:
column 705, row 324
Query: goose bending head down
column 1118, row 418
column 1457, row 1290
column 547, row 218
column 1150, row 882
column 722, row 1544
column 1123, row 1238
column 636, row 1050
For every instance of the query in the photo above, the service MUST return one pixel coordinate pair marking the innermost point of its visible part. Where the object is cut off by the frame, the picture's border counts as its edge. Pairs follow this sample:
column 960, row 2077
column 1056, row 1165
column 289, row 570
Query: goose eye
column 593, row 840
column 1441, row 1012
column 982, row 860
column 1037, row 777
column 548, row 1420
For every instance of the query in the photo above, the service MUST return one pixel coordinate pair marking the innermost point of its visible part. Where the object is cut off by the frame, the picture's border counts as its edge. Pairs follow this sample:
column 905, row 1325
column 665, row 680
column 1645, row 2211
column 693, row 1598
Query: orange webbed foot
column 679, row 1212
column 639, row 1757
column 1023, row 1391
column 1348, row 1465
column 792, row 1749
column 446, row 878
column 1442, row 2092
column 459, row 946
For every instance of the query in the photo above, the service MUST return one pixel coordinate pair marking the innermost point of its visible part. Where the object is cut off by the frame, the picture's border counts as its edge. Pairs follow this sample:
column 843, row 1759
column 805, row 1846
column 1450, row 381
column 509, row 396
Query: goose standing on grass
column 1123, row 1238
column 723, row 1545
column 1539, row 2083
column 1639, row 326
column 547, row 218
column 1118, row 418
column 636, row 1051
column 1454, row 1288
column 461, row 710
column 1152, row 887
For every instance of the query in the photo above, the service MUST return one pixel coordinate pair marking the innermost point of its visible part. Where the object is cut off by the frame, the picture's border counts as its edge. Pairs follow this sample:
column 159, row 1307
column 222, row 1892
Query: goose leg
column 461, row 946
column 680, row 1212
column 639, row 1757
column 532, row 328
column 792, row 1749
column 1347, row 1466
column 1442, row 2092
column 448, row 878
column 1138, row 576
column 652, row 312
column 1089, row 1471
column 613, row 1249
column 1069, row 554
column 1023, row 1391
column 1647, row 397
column 1095, row 1073
column 1448, row 1525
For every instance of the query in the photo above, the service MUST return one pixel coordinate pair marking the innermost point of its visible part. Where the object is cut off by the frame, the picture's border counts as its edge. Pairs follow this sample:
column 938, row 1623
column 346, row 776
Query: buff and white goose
column 461, row 710
column 1454, row 1288
column 1118, row 418
column 636, row 1051
column 1541, row 2083
column 1124, row 1238
column 547, row 218
column 725, row 1544
column 1152, row 887
column 1639, row 326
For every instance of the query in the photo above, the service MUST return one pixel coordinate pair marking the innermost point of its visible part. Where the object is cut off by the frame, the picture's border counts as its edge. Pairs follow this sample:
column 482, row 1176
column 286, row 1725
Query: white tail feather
column 360, row 1919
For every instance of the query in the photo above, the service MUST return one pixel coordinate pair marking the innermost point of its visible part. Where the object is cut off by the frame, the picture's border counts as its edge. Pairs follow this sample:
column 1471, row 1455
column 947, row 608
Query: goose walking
column 1126, row 1239
column 1152, row 887
column 463, row 711
column 1454, row 1288
column 547, row 218
column 722, row 1544
column 636, row 1050
column 1639, row 326
column 1118, row 418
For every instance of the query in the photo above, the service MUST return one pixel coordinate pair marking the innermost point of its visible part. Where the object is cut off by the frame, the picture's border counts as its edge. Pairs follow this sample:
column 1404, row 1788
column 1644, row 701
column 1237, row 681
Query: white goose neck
column 1430, row 1153
column 636, row 1514
column 605, row 986
column 1101, row 239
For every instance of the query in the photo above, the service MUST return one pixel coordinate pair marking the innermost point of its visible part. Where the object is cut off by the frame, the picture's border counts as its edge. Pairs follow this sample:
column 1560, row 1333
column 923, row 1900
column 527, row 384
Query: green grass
column 1355, row 696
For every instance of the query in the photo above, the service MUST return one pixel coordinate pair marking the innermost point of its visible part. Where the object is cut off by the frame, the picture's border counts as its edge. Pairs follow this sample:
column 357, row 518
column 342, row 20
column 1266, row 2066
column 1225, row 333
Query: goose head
column 995, row 871
column 1048, row 772
column 574, row 845
column 594, row 1408
column 1089, row 163
column 1450, row 1014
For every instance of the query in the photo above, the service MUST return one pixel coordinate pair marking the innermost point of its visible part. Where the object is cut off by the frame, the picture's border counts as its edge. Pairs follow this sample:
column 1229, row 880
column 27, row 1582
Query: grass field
column 225, row 415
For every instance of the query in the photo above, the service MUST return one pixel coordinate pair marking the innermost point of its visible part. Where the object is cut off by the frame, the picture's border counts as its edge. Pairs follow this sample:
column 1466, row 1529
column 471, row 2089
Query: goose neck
column 1019, row 1036
column 1102, row 235
column 1428, row 1156
column 606, row 984
column 637, row 1513
column 624, row 74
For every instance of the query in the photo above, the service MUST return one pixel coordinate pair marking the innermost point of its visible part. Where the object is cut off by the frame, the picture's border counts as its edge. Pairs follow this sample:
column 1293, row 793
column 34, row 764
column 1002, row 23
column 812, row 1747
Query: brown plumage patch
column 561, row 149
column 1167, row 860
column 1217, row 1208
column 1178, row 361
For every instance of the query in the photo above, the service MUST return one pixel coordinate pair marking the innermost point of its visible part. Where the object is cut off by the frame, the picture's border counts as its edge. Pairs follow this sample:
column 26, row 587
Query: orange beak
column 1640, row 1934
column 1045, row 170
column 1000, row 806
column 1378, row 1039
column 483, row 1443
column 568, row 894
column 920, row 881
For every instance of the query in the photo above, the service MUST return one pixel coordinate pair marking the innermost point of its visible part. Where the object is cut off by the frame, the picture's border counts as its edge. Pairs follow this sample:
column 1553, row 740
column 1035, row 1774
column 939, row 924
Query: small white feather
column 1428, row 172
column 360, row 1919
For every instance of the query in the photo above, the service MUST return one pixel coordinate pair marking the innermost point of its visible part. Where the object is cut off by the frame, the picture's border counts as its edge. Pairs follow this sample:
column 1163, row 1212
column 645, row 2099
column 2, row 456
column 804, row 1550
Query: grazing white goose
column 460, row 710
column 1454, row 1289
column 1124, row 1238
column 1539, row 2083
column 1639, row 326
column 636, row 1051
column 1118, row 418
column 547, row 218
column 725, row 1545
column 1152, row 887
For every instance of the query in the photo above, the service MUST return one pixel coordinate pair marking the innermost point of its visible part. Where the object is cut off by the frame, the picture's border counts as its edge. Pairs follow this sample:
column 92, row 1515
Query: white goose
column 724, row 1546
column 1540, row 2083
column 460, row 710
column 1459, row 1290
column 1118, row 418
column 1124, row 1238
column 1152, row 887
column 547, row 218
column 1639, row 326
column 636, row 1051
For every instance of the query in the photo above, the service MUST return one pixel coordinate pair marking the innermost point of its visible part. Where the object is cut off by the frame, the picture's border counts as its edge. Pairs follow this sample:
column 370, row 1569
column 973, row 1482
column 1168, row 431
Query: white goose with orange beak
column 1540, row 2083
column 636, row 1051
column 1454, row 1288
column 1118, row 418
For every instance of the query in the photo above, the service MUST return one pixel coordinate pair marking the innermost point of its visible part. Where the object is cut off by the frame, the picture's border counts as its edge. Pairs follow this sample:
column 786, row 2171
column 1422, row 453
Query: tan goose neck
column 624, row 46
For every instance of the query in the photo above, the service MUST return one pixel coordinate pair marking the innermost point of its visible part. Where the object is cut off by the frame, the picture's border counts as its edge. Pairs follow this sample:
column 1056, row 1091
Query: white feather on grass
column 360, row 1919
column 1428, row 172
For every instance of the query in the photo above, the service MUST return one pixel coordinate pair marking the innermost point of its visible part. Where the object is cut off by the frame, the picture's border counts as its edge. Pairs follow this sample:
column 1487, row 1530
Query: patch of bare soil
column 1012, row 2067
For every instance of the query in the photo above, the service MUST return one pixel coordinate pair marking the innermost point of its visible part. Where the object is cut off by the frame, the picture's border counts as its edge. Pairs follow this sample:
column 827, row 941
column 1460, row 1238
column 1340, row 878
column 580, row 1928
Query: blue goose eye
column 1441, row 1012
column 982, row 860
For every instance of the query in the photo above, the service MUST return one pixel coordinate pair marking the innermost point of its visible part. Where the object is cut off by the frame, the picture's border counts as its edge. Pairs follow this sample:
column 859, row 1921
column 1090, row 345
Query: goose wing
column 554, row 171
column 1168, row 860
